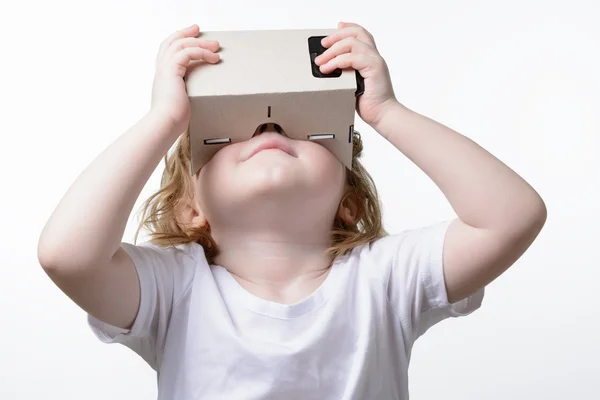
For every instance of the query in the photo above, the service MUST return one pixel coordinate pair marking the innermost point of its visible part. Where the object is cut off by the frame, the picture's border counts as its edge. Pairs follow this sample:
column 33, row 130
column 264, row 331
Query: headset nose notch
column 271, row 127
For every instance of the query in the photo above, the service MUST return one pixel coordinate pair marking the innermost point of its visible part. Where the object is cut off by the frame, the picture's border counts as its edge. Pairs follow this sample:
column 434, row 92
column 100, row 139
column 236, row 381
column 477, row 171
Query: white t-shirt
column 208, row 338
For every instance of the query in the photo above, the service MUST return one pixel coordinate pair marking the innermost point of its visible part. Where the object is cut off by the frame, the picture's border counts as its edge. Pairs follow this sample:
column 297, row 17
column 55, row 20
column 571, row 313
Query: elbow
column 531, row 213
column 47, row 258
column 525, row 221
column 533, row 218
column 48, row 252
column 539, row 214
column 57, row 260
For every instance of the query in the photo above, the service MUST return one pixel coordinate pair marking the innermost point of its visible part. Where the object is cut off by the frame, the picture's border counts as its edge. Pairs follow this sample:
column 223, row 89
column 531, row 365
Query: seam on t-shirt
column 385, row 288
column 289, row 318
column 396, row 313
column 189, row 285
column 438, row 259
column 427, row 280
column 437, row 304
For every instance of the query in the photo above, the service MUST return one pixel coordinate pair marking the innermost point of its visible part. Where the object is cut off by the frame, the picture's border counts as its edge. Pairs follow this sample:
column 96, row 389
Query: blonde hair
column 159, row 211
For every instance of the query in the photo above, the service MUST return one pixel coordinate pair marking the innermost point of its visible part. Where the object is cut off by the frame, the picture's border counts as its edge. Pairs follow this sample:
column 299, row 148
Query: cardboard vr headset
column 269, row 76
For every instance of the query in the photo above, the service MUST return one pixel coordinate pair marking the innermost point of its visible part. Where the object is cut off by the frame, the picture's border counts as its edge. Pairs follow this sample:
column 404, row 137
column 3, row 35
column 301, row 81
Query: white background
column 519, row 77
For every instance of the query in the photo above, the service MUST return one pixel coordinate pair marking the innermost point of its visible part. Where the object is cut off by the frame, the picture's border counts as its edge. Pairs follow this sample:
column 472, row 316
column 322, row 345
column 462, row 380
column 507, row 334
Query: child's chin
column 271, row 183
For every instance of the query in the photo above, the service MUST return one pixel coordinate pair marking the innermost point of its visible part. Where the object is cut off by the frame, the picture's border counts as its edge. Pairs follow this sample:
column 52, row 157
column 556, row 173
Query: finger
column 358, row 61
column 188, row 54
column 360, row 28
column 190, row 31
column 349, row 31
column 347, row 45
column 343, row 24
column 336, row 36
column 183, row 58
column 180, row 44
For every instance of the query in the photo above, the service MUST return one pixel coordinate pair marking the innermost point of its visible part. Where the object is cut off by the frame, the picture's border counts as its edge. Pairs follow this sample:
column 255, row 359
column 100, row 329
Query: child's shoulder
column 423, row 238
column 401, row 256
column 181, row 255
column 170, row 269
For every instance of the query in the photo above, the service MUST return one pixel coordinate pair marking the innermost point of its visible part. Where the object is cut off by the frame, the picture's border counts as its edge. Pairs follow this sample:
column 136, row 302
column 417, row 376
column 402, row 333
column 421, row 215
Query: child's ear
column 189, row 214
column 348, row 211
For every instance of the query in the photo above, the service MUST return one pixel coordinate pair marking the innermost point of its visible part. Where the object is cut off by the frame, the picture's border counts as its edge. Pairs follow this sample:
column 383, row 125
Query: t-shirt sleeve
column 164, row 274
column 414, row 279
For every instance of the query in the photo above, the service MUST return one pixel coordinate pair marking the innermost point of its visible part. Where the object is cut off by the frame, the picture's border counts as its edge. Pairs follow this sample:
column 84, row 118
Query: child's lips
column 270, row 144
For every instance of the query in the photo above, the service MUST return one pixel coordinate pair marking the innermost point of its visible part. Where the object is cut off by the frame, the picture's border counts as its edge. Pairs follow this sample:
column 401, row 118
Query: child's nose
column 269, row 127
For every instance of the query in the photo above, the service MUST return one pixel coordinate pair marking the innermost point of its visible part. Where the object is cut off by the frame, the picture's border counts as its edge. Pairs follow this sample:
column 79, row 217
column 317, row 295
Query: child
column 269, row 275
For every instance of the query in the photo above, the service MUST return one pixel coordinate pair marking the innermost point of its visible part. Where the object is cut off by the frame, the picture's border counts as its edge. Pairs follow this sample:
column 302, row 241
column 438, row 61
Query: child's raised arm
column 79, row 247
column 499, row 214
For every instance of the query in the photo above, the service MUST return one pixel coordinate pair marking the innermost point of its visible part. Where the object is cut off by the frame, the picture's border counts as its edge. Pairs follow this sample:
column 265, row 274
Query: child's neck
column 275, row 266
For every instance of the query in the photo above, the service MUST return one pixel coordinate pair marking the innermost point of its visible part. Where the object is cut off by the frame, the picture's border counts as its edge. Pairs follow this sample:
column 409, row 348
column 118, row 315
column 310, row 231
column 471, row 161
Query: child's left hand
column 352, row 46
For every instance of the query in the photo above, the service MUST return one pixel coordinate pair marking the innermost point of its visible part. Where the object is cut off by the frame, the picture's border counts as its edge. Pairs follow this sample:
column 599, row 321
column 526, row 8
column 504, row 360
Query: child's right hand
column 93, row 269
column 169, row 97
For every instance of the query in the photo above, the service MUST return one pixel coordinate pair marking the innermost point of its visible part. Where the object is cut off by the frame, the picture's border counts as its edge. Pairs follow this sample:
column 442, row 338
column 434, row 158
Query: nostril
column 270, row 126
column 261, row 128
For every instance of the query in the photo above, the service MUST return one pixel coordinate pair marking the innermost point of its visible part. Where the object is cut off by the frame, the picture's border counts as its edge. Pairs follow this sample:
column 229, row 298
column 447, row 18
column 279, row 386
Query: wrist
column 392, row 113
column 164, row 122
